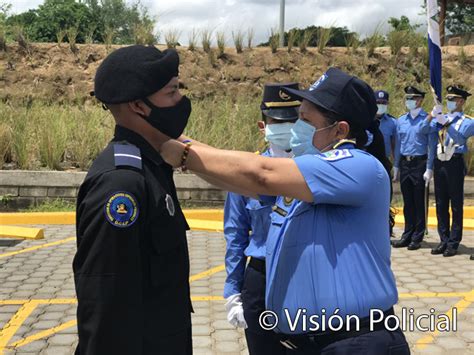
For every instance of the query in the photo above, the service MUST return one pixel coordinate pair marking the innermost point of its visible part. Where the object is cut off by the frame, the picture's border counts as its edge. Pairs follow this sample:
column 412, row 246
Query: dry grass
column 238, row 38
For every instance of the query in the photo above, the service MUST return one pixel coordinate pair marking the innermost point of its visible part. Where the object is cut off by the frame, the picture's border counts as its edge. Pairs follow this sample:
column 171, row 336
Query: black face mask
column 170, row 120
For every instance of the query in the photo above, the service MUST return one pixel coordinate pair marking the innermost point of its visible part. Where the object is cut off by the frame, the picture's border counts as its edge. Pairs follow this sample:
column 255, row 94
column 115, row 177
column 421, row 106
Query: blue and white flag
column 434, row 47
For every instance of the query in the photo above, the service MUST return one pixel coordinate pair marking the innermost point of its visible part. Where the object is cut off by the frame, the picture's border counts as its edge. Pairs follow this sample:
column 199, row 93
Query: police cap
column 381, row 95
column 456, row 91
column 134, row 72
column 412, row 92
column 346, row 95
column 277, row 104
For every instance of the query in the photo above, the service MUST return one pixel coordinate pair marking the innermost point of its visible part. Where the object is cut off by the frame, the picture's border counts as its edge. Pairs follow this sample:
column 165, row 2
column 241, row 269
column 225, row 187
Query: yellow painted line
column 207, row 273
column 38, row 218
column 203, row 225
column 461, row 306
column 210, row 215
column 21, row 232
column 48, row 332
column 15, row 322
column 468, row 223
column 62, row 241
column 43, row 334
column 207, row 298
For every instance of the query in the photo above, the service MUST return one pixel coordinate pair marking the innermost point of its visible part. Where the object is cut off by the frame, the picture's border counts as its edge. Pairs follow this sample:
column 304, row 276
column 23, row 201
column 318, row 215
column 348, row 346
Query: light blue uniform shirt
column 246, row 224
column 413, row 138
column 334, row 252
column 459, row 136
column 388, row 127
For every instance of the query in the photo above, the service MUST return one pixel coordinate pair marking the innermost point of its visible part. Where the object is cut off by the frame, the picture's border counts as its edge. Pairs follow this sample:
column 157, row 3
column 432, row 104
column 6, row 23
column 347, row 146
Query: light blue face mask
column 279, row 134
column 451, row 105
column 410, row 104
column 301, row 141
column 381, row 109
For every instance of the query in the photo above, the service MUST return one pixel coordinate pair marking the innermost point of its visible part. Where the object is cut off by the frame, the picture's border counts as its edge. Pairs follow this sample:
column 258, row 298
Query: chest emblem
column 288, row 201
column 170, row 205
column 121, row 209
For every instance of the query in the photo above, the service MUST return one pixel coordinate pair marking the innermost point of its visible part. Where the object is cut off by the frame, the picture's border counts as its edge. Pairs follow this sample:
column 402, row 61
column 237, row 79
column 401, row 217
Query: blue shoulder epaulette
column 127, row 155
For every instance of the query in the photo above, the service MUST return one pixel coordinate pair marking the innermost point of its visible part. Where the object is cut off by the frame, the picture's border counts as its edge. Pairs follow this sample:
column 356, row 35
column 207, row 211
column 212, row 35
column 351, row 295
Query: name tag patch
column 121, row 209
column 337, row 154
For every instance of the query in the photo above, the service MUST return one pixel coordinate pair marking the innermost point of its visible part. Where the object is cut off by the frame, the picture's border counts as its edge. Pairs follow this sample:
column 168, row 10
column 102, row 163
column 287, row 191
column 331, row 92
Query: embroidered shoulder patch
column 121, row 209
column 337, row 154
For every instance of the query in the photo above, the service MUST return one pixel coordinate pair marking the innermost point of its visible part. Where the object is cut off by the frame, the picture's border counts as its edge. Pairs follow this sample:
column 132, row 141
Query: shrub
column 238, row 38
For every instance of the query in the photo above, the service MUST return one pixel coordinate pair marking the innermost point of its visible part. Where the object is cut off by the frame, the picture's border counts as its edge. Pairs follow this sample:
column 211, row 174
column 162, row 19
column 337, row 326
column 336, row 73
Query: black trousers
column 259, row 341
column 449, row 188
column 372, row 343
column 414, row 204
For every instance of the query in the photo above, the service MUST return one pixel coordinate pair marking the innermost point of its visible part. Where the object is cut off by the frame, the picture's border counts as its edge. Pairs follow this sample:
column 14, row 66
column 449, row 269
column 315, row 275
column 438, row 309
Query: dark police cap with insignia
column 134, row 72
column 456, row 91
column 381, row 95
column 348, row 96
column 277, row 104
column 411, row 92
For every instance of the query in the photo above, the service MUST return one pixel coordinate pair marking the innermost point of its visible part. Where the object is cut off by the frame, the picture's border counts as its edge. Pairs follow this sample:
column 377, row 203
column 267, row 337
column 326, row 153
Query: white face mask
column 381, row 109
column 451, row 105
column 410, row 104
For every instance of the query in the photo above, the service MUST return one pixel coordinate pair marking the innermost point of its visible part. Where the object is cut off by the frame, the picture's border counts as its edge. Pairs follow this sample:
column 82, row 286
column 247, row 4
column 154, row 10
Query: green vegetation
column 56, row 205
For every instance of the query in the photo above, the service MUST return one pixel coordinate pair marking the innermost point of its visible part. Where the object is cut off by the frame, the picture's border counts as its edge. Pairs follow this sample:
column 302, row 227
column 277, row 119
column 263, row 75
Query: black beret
column 412, row 91
column 346, row 95
column 457, row 91
column 134, row 72
column 277, row 104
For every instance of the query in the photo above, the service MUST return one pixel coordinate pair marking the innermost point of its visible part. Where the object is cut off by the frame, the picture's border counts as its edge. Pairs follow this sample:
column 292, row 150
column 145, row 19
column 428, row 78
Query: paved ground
column 37, row 307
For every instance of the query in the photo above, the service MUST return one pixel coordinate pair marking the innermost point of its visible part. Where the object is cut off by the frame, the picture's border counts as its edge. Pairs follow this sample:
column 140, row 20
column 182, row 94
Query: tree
column 402, row 24
column 460, row 18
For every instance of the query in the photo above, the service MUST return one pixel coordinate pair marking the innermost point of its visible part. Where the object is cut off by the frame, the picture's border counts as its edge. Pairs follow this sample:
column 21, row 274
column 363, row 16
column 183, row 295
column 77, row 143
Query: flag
column 434, row 47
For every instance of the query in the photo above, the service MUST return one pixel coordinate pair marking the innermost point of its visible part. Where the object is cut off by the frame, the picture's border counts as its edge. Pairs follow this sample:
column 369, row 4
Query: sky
column 263, row 15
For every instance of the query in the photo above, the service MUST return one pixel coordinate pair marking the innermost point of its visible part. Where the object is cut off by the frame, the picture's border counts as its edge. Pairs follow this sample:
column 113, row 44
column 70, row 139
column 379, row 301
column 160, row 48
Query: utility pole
column 282, row 23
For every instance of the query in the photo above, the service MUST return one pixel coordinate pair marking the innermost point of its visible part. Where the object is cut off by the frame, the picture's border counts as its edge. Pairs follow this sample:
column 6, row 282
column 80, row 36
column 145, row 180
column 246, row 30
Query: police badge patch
column 336, row 154
column 121, row 209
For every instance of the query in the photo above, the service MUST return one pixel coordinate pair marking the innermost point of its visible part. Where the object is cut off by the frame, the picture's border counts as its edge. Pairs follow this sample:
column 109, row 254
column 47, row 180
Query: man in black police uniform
column 454, row 129
column 131, row 268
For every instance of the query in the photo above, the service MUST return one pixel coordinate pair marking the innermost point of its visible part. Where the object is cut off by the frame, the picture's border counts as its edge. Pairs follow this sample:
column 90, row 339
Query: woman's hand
column 172, row 152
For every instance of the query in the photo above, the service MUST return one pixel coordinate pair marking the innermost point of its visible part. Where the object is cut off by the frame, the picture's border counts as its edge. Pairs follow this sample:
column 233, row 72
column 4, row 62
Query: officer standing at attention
column 246, row 224
column 413, row 165
column 454, row 129
column 322, row 257
column 131, row 268
column 388, row 123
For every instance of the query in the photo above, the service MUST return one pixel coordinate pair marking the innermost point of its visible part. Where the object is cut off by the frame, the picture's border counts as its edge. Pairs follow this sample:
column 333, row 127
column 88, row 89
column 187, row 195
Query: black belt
column 257, row 264
column 414, row 157
column 322, row 339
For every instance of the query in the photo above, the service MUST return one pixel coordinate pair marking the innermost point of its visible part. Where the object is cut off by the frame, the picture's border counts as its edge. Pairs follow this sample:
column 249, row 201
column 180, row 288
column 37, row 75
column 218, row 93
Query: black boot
column 439, row 249
column 401, row 243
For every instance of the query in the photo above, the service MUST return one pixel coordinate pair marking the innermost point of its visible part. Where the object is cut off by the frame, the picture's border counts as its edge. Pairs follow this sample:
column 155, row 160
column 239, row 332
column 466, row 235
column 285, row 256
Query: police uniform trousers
column 259, row 341
column 413, row 191
column 373, row 343
column 449, row 188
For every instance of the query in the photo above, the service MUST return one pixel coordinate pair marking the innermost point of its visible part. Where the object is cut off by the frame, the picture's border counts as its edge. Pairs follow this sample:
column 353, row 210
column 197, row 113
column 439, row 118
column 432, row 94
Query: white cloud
column 262, row 15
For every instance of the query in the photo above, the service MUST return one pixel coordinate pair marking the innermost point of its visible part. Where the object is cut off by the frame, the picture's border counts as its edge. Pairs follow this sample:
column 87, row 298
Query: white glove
column 235, row 311
column 437, row 114
column 395, row 173
column 427, row 176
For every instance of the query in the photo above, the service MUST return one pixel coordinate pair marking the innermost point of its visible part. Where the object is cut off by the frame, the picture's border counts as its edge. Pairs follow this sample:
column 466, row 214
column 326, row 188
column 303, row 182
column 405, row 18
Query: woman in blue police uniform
column 454, row 129
column 414, row 163
column 388, row 123
column 131, row 268
column 246, row 224
column 329, row 249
